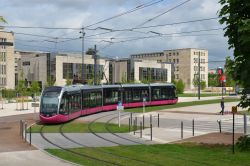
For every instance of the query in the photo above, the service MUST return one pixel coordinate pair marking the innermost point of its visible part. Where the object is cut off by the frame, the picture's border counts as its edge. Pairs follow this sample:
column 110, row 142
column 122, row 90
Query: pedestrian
column 222, row 106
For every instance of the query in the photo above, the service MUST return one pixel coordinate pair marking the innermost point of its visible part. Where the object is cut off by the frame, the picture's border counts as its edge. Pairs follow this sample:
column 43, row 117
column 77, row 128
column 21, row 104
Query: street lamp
column 82, row 37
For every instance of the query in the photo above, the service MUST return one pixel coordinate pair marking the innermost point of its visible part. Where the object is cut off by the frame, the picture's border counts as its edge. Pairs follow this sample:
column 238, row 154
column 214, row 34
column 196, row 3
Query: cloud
column 75, row 13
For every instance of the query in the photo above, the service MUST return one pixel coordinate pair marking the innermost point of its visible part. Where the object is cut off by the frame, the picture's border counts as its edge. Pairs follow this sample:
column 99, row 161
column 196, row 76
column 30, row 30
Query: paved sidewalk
column 10, row 109
column 30, row 158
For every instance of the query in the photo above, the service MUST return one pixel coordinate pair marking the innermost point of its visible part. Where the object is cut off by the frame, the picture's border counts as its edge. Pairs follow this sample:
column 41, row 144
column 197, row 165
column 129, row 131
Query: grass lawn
column 245, row 112
column 73, row 127
column 183, row 104
column 161, row 154
column 202, row 94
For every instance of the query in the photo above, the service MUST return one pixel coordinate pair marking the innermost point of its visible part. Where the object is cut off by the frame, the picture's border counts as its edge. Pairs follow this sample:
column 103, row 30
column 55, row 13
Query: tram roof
column 112, row 86
column 134, row 85
column 161, row 84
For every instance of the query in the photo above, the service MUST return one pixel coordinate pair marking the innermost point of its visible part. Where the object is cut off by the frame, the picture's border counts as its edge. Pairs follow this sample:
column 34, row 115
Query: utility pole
column 199, row 77
column 82, row 37
column 95, row 66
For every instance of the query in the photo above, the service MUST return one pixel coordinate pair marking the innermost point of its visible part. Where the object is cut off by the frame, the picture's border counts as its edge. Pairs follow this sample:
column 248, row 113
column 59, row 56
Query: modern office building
column 185, row 63
column 141, row 71
column 7, row 70
column 47, row 67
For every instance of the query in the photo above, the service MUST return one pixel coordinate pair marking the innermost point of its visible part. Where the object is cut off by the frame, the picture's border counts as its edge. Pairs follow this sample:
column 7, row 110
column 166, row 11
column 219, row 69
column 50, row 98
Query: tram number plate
column 34, row 104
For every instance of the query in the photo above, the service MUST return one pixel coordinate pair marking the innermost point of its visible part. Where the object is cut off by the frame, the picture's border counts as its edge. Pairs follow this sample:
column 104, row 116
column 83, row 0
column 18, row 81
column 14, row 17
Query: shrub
column 180, row 86
column 243, row 143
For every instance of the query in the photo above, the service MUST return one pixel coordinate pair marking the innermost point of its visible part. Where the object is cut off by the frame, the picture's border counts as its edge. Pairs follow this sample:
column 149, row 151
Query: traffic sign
column 234, row 109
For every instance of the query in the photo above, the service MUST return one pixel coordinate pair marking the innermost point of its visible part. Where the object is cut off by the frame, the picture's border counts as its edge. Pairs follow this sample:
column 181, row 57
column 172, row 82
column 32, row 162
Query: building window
column 177, row 68
column 174, row 60
column 177, row 53
column 170, row 54
column 177, row 60
column 169, row 60
column 27, row 63
column 68, row 70
column 152, row 74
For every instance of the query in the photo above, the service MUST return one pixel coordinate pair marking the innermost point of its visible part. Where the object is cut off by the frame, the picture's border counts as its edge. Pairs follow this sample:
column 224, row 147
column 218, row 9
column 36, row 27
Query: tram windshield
column 49, row 103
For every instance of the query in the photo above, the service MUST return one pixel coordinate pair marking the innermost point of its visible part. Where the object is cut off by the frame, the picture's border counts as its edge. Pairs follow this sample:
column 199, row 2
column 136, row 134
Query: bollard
column 135, row 123
column 181, row 130
column 158, row 120
column 134, row 126
column 129, row 124
column 150, row 119
column 193, row 127
column 143, row 122
column 219, row 122
column 245, row 123
column 140, row 129
column 131, row 118
column 21, row 131
column 151, row 132
column 25, row 132
column 30, row 135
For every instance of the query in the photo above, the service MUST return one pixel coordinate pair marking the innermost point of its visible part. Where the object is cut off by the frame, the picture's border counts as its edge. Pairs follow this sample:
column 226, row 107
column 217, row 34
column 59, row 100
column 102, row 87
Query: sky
column 138, row 37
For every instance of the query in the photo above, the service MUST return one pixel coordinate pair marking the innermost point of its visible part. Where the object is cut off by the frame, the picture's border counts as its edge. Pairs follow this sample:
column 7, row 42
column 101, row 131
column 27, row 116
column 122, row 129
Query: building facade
column 47, row 67
column 185, row 63
column 141, row 71
column 7, row 71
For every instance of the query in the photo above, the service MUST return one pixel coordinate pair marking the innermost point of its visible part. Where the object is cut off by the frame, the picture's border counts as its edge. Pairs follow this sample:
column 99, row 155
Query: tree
column 213, row 80
column 229, row 72
column 2, row 19
column 180, row 86
column 91, row 51
column 236, row 16
column 202, row 83
column 50, row 81
column 35, row 88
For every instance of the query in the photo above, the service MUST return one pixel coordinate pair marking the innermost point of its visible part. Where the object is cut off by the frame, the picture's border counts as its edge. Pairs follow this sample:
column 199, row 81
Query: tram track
column 103, row 151
column 91, row 123
column 114, row 142
column 75, row 153
column 98, row 150
column 107, row 128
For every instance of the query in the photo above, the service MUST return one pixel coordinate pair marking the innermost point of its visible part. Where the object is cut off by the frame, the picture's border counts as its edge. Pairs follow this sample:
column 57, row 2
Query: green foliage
column 180, row 86
column 68, row 81
column 8, row 93
column 234, row 14
column 50, row 81
column 243, row 143
column 213, row 80
column 21, row 88
column 91, row 51
column 35, row 88
column 196, row 83
column 229, row 72
column 245, row 99
column 2, row 19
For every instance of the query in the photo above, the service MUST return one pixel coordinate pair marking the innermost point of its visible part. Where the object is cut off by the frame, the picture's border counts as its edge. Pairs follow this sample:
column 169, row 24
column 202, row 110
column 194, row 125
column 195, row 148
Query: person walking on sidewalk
column 222, row 106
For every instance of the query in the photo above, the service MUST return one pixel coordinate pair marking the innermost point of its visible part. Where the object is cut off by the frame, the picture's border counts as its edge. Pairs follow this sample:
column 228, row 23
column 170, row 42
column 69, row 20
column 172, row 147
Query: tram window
column 136, row 95
column 64, row 105
column 156, row 94
column 86, row 100
column 98, row 99
column 110, row 96
column 127, row 97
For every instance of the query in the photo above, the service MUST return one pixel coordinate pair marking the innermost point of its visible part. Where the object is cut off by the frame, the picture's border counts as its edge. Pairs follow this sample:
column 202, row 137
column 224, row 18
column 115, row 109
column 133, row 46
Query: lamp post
column 82, row 37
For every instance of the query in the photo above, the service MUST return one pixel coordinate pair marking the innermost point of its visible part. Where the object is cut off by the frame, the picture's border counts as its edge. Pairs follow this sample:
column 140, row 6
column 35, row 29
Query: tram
column 62, row 104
